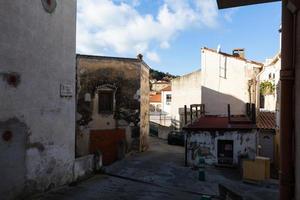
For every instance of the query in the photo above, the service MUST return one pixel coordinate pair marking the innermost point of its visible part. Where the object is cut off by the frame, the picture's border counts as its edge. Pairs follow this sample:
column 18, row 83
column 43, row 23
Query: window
column 106, row 101
column 168, row 99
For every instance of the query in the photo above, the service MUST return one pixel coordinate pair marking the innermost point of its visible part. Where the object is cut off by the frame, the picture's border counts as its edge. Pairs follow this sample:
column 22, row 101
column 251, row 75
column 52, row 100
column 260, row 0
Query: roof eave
column 222, row 4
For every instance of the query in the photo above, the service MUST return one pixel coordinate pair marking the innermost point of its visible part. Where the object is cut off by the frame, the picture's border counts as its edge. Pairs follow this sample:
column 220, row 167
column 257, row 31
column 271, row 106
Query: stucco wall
column 37, row 56
column 130, row 80
column 205, row 144
column 218, row 90
column 186, row 90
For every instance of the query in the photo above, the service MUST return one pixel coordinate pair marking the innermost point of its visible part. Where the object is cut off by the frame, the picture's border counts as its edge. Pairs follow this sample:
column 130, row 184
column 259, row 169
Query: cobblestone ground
column 158, row 174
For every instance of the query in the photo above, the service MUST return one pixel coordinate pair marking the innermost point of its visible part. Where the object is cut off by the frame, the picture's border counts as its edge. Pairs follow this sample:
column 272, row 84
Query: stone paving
column 158, row 174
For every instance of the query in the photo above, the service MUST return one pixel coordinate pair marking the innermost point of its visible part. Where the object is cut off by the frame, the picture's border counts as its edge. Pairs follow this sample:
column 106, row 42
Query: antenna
column 219, row 48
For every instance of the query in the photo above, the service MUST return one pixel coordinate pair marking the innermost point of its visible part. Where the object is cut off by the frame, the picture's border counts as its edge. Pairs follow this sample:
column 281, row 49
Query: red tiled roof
column 222, row 123
column 155, row 98
column 168, row 88
column 266, row 120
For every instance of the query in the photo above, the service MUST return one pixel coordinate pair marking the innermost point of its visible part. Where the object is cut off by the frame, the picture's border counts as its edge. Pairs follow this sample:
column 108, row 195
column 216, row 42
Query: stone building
column 112, row 105
column 37, row 87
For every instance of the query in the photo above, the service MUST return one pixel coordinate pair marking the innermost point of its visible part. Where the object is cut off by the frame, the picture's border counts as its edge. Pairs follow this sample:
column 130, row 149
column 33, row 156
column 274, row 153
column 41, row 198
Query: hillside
column 158, row 75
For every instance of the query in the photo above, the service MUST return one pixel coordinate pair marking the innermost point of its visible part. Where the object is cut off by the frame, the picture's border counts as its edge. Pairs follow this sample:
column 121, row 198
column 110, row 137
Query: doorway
column 225, row 152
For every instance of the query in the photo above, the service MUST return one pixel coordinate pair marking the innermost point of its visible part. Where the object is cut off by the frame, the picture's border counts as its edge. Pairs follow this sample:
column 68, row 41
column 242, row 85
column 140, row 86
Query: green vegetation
column 158, row 75
column 267, row 87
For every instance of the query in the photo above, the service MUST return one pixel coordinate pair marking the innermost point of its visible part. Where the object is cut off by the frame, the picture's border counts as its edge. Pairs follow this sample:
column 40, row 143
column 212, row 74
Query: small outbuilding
column 221, row 140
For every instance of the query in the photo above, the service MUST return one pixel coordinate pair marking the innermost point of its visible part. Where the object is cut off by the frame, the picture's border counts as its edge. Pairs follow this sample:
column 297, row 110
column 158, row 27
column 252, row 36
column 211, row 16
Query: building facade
column 37, row 86
column 220, row 141
column 223, row 79
column 227, row 79
column 112, row 105
column 186, row 90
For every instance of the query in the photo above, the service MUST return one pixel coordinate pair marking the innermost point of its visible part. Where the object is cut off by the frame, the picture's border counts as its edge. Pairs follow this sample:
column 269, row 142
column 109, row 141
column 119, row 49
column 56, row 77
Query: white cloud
column 208, row 12
column 153, row 56
column 229, row 14
column 103, row 25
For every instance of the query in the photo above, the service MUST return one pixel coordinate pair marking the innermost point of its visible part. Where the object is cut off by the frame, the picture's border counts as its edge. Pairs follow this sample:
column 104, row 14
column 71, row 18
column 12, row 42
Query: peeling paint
column 205, row 144
column 36, row 145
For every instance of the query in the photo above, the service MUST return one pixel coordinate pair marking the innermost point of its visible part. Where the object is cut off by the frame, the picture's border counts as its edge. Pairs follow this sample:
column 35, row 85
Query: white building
column 269, row 77
column 186, row 90
column 166, row 100
column 37, row 87
column 160, row 106
column 223, row 79
column 227, row 79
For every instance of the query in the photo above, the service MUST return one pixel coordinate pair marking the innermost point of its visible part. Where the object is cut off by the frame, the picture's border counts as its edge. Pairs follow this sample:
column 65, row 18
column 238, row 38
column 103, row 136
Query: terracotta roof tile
column 168, row 88
column 266, row 120
column 155, row 98
column 219, row 123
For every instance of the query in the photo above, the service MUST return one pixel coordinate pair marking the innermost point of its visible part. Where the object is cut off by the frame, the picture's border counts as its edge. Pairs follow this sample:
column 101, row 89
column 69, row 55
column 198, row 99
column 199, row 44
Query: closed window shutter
column 106, row 101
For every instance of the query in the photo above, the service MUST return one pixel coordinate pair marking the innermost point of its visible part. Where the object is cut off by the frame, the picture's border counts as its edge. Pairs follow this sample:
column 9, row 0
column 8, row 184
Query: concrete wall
column 205, row 144
column 219, row 89
column 161, row 119
column 83, row 167
column 186, row 90
column 129, row 79
column 37, row 58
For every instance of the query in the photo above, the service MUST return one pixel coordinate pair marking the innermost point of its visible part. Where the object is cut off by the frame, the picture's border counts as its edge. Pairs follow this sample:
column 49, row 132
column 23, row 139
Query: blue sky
column 170, row 33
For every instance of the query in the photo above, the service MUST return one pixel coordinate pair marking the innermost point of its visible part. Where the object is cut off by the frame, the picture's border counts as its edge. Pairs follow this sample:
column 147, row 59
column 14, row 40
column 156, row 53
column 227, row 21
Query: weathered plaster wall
column 37, row 55
column 129, row 77
column 205, row 144
column 186, row 90
column 144, row 108
column 217, row 90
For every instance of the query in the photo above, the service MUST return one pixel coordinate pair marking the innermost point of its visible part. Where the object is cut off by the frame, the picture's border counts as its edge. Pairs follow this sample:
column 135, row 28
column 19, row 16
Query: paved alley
column 158, row 174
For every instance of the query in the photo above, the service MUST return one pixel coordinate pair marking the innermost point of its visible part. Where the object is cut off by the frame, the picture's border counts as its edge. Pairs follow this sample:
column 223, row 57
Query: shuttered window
column 106, row 101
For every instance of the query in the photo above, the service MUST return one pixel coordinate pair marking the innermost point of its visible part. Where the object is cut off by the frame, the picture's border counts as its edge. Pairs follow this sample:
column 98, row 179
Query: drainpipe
column 287, row 131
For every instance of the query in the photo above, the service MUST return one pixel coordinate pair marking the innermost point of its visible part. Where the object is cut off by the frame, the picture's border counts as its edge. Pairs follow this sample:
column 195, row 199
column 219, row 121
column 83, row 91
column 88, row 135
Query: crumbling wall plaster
column 37, row 57
column 124, row 75
column 205, row 144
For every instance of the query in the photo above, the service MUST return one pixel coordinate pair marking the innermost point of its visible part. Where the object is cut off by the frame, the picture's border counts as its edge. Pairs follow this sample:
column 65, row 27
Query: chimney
column 140, row 56
column 239, row 53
